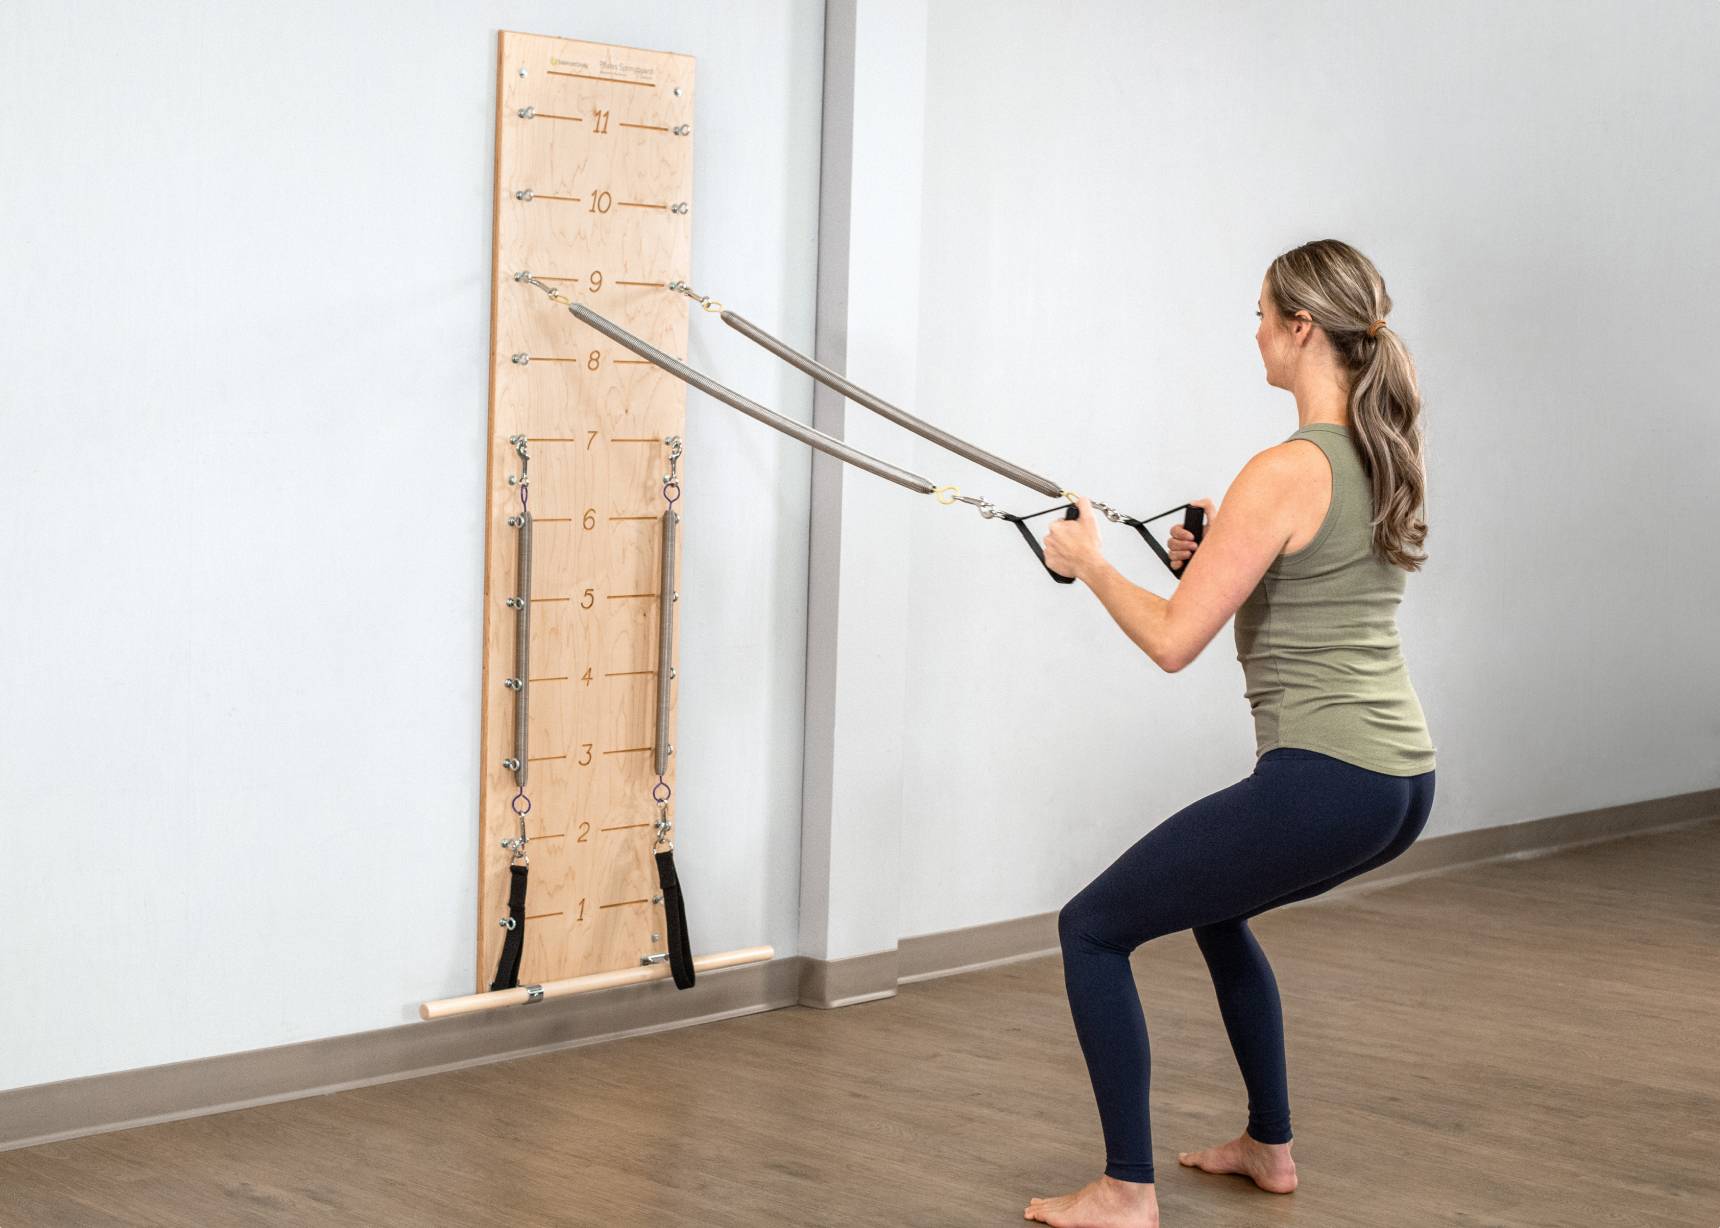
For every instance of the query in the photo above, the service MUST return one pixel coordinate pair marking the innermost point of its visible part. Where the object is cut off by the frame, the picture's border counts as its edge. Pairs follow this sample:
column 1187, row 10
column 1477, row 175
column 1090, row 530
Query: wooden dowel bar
column 443, row 1008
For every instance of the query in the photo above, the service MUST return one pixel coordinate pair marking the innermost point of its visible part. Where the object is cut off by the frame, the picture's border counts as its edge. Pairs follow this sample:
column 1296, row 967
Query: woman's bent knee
column 1070, row 919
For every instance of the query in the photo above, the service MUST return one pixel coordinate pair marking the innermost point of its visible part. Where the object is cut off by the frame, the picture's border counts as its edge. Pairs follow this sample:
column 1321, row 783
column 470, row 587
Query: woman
column 1310, row 554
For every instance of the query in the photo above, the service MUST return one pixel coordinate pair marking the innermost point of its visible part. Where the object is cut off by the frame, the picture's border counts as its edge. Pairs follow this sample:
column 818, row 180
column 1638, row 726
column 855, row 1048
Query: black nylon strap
column 1070, row 512
column 675, row 913
column 1194, row 520
column 1152, row 541
column 508, row 969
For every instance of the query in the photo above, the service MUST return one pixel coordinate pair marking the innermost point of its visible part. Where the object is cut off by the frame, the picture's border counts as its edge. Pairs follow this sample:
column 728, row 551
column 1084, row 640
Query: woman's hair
column 1340, row 288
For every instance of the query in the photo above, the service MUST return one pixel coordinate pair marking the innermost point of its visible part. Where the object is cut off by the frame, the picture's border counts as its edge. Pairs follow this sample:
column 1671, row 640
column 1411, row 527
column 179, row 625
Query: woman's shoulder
column 1288, row 486
column 1295, row 462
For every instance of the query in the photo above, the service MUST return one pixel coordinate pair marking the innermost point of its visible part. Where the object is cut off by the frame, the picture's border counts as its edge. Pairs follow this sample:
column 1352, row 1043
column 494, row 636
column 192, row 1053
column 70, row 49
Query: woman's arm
column 1255, row 522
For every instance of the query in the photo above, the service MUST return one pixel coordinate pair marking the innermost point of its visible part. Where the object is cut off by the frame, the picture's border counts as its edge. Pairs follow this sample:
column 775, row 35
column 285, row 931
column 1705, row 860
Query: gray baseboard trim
column 981, row 946
column 827, row 983
column 49, row 1112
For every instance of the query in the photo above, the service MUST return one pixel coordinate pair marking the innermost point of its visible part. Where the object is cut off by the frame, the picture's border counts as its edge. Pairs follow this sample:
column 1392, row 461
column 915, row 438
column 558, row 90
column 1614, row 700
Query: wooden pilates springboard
column 605, row 151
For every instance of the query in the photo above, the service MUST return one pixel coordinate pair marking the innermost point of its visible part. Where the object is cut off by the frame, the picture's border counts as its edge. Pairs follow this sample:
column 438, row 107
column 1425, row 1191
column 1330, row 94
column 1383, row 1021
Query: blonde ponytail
column 1343, row 292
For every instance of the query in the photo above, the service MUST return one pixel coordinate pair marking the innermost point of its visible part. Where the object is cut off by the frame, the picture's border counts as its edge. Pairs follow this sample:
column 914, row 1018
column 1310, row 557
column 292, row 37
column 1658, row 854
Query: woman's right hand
column 1182, row 544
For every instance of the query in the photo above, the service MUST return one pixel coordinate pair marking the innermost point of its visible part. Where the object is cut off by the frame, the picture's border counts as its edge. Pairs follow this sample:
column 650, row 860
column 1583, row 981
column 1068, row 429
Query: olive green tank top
column 1318, row 637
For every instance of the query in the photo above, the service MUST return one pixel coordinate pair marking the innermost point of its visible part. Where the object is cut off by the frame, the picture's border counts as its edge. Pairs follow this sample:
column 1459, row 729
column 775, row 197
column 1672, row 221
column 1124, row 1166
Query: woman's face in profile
column 1269, row 336
column 1278, row 348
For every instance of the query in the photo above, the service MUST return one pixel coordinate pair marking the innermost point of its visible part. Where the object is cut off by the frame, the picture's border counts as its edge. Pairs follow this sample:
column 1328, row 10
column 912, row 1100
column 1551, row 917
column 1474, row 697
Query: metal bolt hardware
column 516, row 603
column 512, row 764
column 522, row 72
column 681, row 129
column 526, row 112
column 677, row 90
column 513, row 684
column 534, row 993
column 678, row 207
column 522, row 359
column 507, row 923
column 523, row 194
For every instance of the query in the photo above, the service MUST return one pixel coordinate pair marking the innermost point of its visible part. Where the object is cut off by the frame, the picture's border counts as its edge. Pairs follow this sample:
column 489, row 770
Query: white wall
column 244, row 330
column 1537, row 183
column 243, row 337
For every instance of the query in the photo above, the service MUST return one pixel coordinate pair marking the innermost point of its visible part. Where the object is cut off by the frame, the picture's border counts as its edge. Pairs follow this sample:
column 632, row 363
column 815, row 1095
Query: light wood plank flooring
column 1526, row 1043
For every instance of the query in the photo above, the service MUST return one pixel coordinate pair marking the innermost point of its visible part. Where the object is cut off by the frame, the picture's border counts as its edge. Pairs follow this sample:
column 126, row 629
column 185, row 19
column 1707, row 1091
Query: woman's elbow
column 1174, row 657
column 1170, row 661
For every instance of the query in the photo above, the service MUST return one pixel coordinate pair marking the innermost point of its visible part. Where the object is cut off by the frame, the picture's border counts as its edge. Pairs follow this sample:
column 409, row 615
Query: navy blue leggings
column 1302, row 823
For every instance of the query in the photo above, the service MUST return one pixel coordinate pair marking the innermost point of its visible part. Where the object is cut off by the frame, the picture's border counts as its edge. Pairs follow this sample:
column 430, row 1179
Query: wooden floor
column 1525, row 1043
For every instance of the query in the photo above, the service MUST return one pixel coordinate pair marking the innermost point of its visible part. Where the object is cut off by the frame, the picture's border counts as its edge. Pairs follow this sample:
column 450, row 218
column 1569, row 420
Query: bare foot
column 1269, row 1164
column 1105, row 1203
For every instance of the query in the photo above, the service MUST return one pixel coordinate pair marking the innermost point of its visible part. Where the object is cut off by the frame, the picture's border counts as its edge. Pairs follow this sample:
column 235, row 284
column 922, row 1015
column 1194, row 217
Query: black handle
column 1194, row 520
column 1071, row 512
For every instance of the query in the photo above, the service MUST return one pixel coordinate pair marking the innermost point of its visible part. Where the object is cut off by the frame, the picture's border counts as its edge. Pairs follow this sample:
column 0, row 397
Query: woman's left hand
column 1072, row 546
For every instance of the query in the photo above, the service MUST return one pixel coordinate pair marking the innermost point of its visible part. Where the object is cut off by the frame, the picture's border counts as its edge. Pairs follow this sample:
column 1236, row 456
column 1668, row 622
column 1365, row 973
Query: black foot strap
column 675, row 912
column 508, row 969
